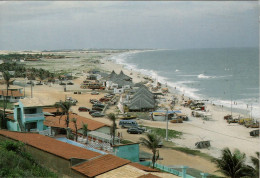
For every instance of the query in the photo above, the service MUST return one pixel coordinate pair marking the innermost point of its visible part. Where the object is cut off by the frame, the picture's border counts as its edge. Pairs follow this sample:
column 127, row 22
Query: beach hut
column 141, row 104
column 124, row 77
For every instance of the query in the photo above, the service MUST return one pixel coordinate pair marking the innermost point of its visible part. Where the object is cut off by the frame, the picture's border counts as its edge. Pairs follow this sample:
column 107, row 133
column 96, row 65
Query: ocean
column 220, row 75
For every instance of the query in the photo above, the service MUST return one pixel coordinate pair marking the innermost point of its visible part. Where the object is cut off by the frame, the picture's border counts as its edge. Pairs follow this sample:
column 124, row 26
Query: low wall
column 59, row 165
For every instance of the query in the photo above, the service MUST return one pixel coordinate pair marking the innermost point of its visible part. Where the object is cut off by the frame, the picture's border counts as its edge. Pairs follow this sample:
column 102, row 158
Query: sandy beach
column 217, row 130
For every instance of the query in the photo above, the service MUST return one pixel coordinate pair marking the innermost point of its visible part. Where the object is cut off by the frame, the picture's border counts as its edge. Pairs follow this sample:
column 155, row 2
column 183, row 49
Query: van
column 128, row 123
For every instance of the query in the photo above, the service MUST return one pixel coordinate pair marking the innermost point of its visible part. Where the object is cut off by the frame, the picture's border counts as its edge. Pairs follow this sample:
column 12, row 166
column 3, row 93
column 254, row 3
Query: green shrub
column 16, row 162
column 162, row 132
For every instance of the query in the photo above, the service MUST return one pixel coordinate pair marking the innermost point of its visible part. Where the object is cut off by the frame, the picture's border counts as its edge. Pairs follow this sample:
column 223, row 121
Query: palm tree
column 153, row 143
column 85, row 130
column 41, row 76
column 74, row 120
column 65, row 106
column 233, row 164
column 255, row 161
column 112, row 117
column 7, row 78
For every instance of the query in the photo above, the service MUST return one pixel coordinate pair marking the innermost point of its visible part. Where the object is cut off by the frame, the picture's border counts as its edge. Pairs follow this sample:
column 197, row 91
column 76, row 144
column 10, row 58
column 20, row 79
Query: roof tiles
column 51, row 145
column 100, row 165
column 149, row 176
column 59, row 121
column 144, row 168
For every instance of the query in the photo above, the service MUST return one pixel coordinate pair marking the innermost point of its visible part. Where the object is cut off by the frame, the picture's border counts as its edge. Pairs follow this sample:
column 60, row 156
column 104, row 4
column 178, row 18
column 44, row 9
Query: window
column 30, row 111
column 31, row 125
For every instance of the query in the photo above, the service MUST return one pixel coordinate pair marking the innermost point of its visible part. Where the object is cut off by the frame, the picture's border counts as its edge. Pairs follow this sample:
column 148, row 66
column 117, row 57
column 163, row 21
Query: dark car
column 97, row 108
column 94, row 93
column 93, row 101
column 70, row 83
column 134, row 130
column 62, row 83
column 92, row 111
column 83, row 109
column 104, row 99
column 98, row 105
column 97, row 114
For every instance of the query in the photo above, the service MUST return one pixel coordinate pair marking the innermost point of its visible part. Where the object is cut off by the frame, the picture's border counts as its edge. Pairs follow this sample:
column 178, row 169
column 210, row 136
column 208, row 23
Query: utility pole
column 24, row 87
column 166, row 115
column 31, row 89
column 251, row 111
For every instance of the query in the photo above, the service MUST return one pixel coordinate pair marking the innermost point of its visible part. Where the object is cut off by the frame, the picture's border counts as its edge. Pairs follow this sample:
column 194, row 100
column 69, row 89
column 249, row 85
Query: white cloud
column 124, row 21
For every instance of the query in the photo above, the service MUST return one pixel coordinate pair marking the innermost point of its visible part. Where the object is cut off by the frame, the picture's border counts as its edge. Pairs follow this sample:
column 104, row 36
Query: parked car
column 109, row 95
column 254, row 133
column 70, row 83
column 62, row 83
column 134, row 130
column 98, row 105
column 39, row 83
column 97, row 108
column 83, row 109
column 72, row 100
column 97, row 114
column 93, row 101
column 92, row 111
column 94, row 93
column 103, row 99
column 128, row 123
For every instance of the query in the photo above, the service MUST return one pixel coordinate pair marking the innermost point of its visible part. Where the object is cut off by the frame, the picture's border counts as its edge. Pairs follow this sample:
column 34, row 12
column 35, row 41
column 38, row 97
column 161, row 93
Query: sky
column 53, row 25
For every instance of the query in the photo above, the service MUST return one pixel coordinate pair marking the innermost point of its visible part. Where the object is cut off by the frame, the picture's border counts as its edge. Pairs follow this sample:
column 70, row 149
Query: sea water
column 219, row 75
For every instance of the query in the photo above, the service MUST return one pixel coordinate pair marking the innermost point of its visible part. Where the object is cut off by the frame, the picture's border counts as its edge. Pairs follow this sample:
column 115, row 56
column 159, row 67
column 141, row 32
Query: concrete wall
column 38, row 117
column 130, row 152
column 105, row 130
column 57, row 164
column 12, row 126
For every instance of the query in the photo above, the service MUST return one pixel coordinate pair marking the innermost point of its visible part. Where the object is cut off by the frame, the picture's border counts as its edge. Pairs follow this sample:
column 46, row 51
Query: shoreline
column 113, row 65
column 217, row 130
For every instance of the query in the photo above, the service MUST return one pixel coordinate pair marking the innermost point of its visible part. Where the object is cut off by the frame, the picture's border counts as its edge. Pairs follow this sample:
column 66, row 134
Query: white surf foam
column 180, row 85
column 202, row 76
column 205, row 76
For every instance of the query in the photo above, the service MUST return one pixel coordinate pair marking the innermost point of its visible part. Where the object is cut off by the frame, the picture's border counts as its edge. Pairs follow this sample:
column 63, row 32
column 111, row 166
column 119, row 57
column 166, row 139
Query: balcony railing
column 33, row 116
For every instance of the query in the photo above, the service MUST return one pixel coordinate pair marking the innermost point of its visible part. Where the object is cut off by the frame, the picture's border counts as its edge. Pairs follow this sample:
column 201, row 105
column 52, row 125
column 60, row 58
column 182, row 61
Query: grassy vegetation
column 192, row 152
column 141, row 115
column 16, row 162
column 9, row 105
column 162, row 132
column 126, row 142
column 29, row 56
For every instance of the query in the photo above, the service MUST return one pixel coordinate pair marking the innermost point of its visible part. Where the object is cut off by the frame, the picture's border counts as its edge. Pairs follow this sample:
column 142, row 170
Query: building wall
column 39, row 117
column 12, row 126
column 118, row 91
column 57, row 164
column 105, row 130
column 130, row 152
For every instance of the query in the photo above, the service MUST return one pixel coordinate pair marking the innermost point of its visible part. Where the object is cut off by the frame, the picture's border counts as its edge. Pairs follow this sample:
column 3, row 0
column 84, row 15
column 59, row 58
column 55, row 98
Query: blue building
column 127, row 151
column 28, row 116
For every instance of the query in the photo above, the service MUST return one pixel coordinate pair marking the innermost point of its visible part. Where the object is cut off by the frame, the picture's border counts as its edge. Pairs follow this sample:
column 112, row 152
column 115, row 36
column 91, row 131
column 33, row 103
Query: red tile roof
column 100, row 165
column 17, row 94
column 51, row 110
column 11, row 117
column 148, row 176
column 144, row 168
column 51, row 145
column 13, row 93
column 53, row 121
